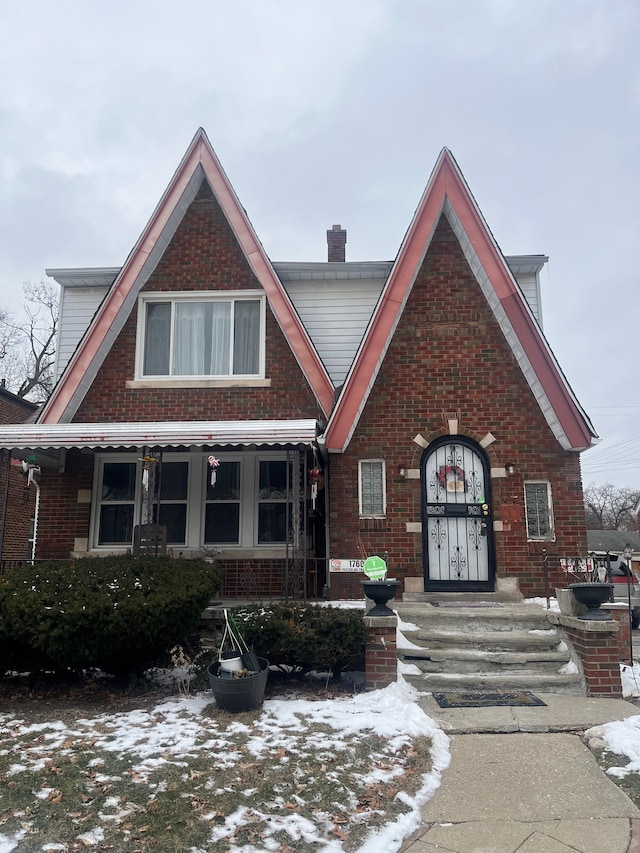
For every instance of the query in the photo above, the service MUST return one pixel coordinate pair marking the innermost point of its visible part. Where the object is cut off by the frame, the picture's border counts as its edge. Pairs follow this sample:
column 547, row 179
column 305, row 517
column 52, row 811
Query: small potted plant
column 238, row 678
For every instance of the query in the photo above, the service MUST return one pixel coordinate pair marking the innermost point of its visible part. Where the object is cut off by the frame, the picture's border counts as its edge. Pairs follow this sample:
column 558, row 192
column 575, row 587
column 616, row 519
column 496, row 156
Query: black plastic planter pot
column 238, row 694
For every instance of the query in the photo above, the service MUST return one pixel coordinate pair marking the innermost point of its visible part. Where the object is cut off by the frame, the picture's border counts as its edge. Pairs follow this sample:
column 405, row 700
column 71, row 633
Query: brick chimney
column 336, row 242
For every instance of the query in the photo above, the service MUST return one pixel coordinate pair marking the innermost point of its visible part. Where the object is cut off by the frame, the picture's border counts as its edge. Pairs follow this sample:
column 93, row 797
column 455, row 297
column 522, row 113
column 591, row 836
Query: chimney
column 336, row 242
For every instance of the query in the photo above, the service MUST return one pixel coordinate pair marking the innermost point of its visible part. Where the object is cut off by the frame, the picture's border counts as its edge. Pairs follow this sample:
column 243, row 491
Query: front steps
column 453, row 644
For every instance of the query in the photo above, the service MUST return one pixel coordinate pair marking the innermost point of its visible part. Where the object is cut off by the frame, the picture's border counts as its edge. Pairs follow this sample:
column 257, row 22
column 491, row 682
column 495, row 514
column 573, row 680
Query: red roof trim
column 199, row 152
column 447, row 182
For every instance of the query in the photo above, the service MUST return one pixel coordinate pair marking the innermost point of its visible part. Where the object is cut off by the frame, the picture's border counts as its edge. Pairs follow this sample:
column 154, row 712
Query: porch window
column 172, row 493
column 195, row 337
column 274, row 508
column 222, row 511
column 244, row 502
column 117, row 502
column 538, row 510
column 372, row 488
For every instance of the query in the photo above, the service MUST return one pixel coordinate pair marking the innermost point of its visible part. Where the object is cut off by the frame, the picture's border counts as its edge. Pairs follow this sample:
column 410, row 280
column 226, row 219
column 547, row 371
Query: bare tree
column 27, row 348
column 610, row 508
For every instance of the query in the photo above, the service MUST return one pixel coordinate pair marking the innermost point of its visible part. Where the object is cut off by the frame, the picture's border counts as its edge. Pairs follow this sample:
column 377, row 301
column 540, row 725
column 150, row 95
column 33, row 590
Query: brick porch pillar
column 596, row 644
column 381, row 654
column 620, row 613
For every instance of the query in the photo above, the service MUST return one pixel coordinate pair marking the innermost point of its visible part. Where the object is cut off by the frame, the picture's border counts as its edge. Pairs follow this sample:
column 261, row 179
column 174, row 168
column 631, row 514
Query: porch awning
column 156, row 434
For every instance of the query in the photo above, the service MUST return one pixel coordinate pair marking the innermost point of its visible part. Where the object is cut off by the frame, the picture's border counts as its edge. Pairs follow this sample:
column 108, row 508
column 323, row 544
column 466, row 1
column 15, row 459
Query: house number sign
column 346, row 565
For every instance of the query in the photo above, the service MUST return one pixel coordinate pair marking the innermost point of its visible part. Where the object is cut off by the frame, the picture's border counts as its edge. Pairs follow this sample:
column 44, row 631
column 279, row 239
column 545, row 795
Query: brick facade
column 448, row 354
column 17, row 501
column 202, row 256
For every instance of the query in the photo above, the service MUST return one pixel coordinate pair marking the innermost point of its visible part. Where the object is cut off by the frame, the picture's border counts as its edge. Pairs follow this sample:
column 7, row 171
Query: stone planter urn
column 592, row 595
column 380, row 592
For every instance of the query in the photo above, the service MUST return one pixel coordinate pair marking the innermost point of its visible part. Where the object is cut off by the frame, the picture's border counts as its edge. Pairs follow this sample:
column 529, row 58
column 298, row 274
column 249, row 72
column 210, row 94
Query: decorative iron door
column 457, row 527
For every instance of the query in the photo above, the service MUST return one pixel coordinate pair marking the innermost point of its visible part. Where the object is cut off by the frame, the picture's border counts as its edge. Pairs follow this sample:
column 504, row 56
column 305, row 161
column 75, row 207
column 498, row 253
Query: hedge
column 118, row 614
column 304, row 637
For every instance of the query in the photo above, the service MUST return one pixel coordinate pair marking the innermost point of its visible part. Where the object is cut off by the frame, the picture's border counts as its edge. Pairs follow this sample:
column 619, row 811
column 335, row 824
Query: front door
column 457, row 526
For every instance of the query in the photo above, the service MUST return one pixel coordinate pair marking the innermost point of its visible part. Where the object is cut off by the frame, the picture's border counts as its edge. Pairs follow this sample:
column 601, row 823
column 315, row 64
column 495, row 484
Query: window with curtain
column 209, row 337
column 538, row 510
column 372, row 488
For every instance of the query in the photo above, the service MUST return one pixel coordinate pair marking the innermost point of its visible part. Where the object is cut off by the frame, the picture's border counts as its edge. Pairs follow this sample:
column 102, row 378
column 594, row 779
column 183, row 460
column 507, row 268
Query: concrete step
column 430, row 597
column 480, row 682
column 502, row 617
column 476, row 645
column 471, row 660
column 489, row 641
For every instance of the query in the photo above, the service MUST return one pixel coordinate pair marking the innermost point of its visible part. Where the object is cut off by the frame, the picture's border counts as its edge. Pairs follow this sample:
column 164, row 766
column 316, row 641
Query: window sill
column 198, row 383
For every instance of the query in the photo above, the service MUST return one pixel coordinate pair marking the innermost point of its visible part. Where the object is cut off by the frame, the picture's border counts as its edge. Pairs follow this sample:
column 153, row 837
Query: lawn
column 175, row 773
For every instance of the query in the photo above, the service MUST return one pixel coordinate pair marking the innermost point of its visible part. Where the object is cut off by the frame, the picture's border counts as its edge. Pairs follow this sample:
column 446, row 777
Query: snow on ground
column 177, row 728
column 622, row 736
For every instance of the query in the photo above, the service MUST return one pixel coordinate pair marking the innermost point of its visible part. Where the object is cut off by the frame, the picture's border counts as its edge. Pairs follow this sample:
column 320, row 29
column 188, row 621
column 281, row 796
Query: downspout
column 322, row 450
column 5, row 503
column 35, row 521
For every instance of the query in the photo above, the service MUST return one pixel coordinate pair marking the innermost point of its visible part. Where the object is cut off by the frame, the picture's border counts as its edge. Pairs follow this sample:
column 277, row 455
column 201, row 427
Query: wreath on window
column 451, row 478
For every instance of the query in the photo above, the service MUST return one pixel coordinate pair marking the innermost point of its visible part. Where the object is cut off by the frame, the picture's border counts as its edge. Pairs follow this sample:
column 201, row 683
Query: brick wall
column 381, row 654
column 203, row 256
column 17, row 503
column 600, row 657
column 62, row 517
column 449, row 354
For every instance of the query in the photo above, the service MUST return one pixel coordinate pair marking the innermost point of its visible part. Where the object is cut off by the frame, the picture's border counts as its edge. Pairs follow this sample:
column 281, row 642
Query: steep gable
column 198, row 176
column 447, row 194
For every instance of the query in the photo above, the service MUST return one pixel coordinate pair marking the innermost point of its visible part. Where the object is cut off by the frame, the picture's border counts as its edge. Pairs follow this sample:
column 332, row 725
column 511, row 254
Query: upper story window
column 538, row 510
column 201, row 335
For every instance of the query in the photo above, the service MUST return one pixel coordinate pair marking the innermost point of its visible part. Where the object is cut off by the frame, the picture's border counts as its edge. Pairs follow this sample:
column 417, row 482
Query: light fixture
column 402, row 471
column 510, row 468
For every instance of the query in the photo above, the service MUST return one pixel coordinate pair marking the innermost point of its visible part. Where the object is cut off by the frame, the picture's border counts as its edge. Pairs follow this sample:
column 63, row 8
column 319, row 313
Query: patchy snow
column 174, row 730
column 542, row 602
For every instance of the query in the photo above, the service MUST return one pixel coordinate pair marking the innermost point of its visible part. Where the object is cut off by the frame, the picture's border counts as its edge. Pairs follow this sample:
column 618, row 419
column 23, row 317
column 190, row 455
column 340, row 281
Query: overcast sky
column 335, row 112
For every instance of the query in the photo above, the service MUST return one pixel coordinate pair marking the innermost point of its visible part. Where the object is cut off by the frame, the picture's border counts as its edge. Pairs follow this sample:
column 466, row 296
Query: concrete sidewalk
column 521, row 780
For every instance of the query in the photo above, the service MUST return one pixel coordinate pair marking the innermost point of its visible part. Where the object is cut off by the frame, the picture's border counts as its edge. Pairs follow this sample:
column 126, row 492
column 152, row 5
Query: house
column 293, row 418
column 18, row 486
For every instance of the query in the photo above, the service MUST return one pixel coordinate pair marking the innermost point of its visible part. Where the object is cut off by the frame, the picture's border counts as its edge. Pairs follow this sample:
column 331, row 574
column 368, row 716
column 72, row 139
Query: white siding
column 530, row 286
column 77, row 307
column 335, row 314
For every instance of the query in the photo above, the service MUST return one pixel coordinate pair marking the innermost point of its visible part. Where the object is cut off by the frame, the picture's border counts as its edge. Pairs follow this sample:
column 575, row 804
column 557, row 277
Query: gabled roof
column 198, row 164
column 447, row 193
column 601, row 541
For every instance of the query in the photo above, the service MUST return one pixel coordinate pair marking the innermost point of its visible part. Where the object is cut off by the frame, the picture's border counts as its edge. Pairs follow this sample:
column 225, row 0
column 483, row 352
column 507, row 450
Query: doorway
column 457, row 526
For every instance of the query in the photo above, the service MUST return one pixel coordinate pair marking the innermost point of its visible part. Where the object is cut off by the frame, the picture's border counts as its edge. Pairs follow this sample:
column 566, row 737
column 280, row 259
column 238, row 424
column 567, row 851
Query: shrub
column 118, row 613
column 305, row 637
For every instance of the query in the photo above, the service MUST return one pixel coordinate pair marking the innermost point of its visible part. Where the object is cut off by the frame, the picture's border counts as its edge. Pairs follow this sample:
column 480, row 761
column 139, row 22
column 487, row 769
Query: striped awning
column 156, row 434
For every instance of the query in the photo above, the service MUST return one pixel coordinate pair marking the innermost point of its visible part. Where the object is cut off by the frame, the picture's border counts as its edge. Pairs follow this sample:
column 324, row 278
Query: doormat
column 467, row 604
column 522, row 698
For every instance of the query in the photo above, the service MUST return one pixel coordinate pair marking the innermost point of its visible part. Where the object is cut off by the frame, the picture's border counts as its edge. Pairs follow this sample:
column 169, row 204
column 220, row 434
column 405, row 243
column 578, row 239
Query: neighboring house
column 601, row 543
column 294, row 418
column 17, row 490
